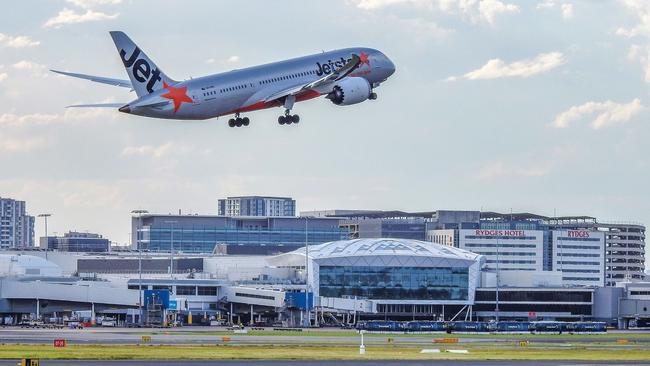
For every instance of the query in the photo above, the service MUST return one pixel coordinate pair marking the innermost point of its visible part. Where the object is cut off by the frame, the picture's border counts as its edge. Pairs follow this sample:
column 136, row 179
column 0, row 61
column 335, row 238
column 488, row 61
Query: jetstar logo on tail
column 141, row 69
column 178, row 95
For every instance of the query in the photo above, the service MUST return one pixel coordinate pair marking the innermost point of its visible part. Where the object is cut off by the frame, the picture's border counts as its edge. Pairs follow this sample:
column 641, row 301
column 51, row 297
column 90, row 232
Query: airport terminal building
column 345, row 279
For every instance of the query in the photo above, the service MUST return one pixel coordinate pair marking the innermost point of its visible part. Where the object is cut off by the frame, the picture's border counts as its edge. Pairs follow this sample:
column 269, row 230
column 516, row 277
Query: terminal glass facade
column 399, row 283
column 203, row 240
column 200, row 234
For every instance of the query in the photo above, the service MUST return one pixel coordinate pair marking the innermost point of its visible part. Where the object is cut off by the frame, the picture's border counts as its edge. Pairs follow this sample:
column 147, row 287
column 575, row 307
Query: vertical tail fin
column 145, row 76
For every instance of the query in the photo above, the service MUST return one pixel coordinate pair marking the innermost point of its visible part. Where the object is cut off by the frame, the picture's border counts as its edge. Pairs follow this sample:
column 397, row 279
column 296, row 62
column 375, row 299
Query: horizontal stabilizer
column 97, row 79
column 97, row 105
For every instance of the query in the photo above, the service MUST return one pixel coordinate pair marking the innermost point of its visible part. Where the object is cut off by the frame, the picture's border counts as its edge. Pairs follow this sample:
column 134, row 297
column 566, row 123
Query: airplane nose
column 390, row 66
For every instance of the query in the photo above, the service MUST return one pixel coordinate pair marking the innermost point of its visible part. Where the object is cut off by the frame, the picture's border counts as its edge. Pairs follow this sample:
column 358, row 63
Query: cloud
column 423, row 30
column 640, row 8
column 3, row 76
column 87, row 4
column 233, row 59
column 490, row 9
column 546, row 4
column 567, row 11
column 641, row 54
column 18, row 120
column 497, row 68
column 71, row 115
column 14, row 145
column 473, row 10
column 67, row 16
column 35, row 69
column 17, row 41
column 565, row 8
column 607, row 113
column 149, row 150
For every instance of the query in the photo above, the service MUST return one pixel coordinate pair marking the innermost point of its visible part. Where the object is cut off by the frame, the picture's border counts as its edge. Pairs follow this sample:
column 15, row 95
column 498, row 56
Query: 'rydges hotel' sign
column 480, row 232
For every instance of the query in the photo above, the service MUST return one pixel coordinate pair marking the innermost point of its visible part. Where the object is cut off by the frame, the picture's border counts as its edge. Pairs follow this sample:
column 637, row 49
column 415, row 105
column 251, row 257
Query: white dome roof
column 387, row 247
column 400, row 252
column 27, row 265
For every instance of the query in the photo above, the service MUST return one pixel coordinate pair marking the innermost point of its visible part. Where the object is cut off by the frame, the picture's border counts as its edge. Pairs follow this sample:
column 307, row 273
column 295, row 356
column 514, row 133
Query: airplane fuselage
column 244, row 90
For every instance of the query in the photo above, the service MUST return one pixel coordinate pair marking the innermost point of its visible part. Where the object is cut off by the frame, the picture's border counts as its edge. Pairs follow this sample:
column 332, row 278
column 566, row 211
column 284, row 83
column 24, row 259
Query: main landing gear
column 288, row 119
column 238, row 122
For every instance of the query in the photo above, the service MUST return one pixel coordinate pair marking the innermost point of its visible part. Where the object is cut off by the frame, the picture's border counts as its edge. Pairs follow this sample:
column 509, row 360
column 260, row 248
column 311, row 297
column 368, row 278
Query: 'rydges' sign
column 578, row 234
column 481, row 232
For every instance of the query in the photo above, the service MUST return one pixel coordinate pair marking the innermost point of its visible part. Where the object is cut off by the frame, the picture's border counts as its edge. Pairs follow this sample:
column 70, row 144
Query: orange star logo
column 178, row 95
column 364, row 59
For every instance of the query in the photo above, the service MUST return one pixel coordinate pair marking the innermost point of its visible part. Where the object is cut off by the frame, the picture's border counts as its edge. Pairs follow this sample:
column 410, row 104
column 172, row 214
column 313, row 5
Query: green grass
column 128, row 352
column 612, row 336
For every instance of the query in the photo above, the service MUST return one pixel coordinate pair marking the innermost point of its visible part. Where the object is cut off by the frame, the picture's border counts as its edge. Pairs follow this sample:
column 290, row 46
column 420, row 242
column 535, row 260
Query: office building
column 76, row 242
column 625, row 252
column 231, row 235
column 16, row 226
column 257, row 206
column 624, row 242
column 528, row 242
column 369, row 224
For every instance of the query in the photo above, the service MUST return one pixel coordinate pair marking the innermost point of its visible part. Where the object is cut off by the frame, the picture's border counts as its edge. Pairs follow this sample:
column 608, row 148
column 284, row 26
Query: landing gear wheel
column 239, row 122
column 282, row 120
column 372, row 96
column 232, row 122
column 246, row 121
column 295, row 118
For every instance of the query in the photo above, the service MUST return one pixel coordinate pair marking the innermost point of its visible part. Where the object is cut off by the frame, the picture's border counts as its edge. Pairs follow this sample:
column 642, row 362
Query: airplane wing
column 98, row 79
column 337, row 75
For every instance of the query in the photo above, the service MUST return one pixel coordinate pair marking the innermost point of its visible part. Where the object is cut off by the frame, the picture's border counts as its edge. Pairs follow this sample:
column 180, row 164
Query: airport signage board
column 159, row 297
column 173, row 305
column 59, row 343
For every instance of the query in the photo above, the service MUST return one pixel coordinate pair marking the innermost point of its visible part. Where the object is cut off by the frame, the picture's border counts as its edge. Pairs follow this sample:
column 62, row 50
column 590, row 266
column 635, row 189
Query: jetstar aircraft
column 346, row 76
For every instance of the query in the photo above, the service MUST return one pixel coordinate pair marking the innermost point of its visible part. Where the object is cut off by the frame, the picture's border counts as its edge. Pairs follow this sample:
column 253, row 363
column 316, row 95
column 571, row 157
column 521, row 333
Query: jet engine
column 350, row 90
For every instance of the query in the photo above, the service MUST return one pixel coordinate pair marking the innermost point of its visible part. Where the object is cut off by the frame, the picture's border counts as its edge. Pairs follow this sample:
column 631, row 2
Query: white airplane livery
column 346, row 76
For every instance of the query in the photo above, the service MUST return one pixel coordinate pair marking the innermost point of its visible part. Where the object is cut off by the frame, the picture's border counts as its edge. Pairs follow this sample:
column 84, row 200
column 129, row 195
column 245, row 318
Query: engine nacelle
column 350, row 91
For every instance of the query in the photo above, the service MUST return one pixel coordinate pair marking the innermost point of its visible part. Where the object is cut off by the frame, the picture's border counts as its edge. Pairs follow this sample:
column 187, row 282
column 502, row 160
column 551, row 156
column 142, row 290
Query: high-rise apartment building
column 16, row 227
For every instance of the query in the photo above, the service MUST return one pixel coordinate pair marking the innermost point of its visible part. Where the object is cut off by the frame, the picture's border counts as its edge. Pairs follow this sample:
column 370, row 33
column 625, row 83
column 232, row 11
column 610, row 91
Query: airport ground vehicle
column 481, row 327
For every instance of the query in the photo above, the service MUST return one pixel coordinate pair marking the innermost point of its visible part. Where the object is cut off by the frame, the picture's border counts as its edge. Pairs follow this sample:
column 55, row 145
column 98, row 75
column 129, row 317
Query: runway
column 323, row 363
column 207, row 336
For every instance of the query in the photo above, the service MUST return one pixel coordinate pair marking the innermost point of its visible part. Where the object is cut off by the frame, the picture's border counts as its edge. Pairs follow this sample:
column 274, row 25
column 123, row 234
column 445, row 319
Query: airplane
column 345, row 77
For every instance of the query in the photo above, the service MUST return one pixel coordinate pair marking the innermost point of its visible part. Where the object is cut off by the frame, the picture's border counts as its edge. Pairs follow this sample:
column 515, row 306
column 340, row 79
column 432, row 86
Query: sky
column 500, row 105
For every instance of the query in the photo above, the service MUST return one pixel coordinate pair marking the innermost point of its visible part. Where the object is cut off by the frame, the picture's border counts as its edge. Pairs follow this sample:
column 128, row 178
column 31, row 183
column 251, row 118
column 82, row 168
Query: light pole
column 307, row 270
column 137, row 243
column 496, row 309
column 362, row 347
column 171, row 248
column 47, row 240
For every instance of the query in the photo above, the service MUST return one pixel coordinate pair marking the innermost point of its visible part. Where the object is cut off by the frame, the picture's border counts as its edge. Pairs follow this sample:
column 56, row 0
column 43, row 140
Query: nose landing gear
column 238, row 122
